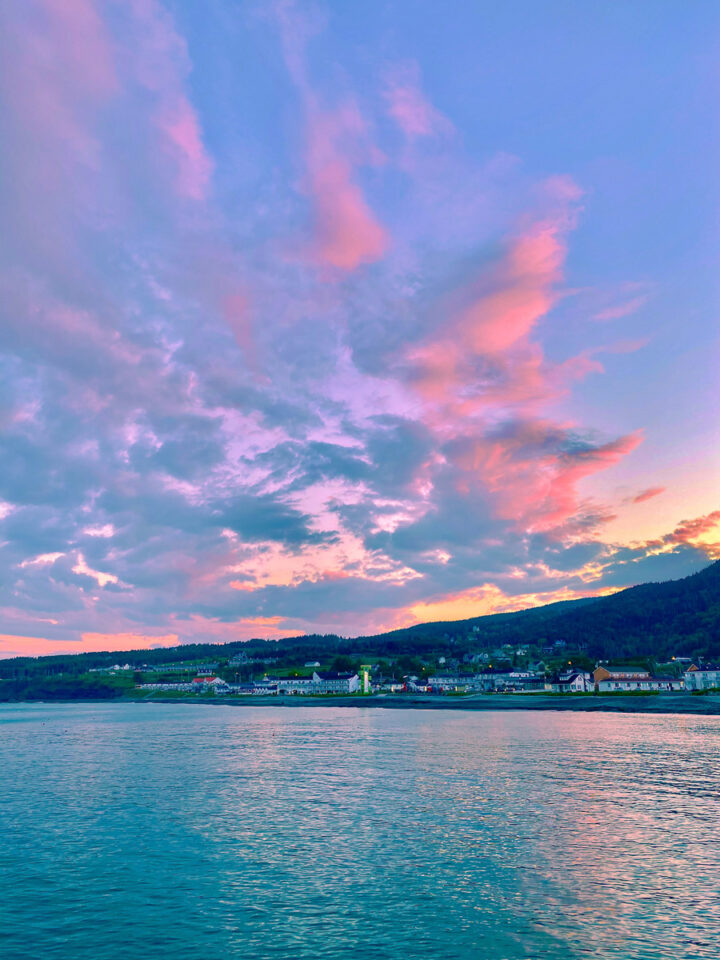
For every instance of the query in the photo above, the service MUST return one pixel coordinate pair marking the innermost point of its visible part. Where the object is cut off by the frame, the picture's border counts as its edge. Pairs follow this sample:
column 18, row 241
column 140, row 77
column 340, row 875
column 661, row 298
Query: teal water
column 139, row 830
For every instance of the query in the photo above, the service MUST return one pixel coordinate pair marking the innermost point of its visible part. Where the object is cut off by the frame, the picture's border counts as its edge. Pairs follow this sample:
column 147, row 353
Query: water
column 139, row 830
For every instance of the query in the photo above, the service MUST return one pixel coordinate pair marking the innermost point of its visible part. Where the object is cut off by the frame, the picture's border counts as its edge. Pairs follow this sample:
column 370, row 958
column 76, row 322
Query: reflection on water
column 208, row 832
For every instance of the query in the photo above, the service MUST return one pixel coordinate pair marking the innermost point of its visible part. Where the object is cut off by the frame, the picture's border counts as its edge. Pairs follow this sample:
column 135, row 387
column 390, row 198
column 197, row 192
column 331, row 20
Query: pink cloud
column 483, row 367
column 622, row 309
column 688, row 531
column 182, row 129
column 647, row 494
column 495, row 320
column 235, row 309
column 83, row 44
column 482, row 348
column 408, row 106
column 556, row 497
column 532, row 472
column 347, row 232
column 57, row 68
column 161, row 63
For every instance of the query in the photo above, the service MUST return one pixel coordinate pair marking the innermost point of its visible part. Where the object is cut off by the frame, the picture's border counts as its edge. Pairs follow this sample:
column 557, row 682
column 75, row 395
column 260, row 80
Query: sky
column 337, row 317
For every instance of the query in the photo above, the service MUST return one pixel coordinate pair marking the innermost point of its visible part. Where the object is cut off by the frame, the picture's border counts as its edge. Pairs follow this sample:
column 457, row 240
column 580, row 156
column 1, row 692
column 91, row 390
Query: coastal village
column 654, row 640
column 241, row 676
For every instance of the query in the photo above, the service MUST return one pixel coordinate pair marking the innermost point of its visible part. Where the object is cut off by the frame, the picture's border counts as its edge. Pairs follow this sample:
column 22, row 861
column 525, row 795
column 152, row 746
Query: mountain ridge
column 671, row 617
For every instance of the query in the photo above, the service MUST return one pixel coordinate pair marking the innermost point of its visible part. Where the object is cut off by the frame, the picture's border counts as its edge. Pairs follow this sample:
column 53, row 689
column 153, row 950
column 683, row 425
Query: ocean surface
column 141, row 831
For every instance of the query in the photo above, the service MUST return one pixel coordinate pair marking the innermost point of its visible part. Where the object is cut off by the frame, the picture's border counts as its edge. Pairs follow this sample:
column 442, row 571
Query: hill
column 676, row 617
column 659, row 620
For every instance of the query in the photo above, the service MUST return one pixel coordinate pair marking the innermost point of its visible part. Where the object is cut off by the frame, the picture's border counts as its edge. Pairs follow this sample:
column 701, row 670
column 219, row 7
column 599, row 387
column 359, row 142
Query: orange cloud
column 263, row 621
column 246, row 585
column 696, row 532
column 124, row 641
column 487, row 599
column 18, row 646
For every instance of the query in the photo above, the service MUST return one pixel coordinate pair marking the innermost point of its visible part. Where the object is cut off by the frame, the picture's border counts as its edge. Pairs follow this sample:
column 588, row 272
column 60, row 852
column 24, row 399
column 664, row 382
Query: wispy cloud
column 347, row 232
column 408, row 105
column 280, row 352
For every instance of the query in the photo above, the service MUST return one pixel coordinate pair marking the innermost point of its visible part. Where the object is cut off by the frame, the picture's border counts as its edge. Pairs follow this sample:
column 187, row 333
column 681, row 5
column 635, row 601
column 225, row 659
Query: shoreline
column 705, row 705
column 679, row 704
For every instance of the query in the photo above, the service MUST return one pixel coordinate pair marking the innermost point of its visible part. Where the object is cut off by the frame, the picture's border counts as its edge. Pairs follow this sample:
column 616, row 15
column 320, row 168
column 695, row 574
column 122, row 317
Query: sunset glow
column 337, row 318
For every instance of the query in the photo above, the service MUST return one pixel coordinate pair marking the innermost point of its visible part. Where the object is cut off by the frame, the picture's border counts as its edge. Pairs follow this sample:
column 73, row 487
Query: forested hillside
column 658, row 620
column 671, row 618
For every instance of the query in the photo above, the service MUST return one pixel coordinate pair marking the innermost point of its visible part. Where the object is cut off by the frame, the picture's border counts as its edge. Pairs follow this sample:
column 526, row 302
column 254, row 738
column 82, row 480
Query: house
column 702, row 676
column 605, row 671
column 206, row 669
column 645, row 683
column 629, row 679
column 332, row 682
column 209, row 683
column 570, row 682
column 312, row 663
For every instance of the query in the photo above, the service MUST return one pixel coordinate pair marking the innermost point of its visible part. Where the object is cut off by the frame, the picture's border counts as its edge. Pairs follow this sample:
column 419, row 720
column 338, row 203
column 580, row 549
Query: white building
column 702, row 677
column 524, row 680
column 499, row 679
column 632, row 679
column 295, row 684
column 575, row 681
column 332, row 682
column 449, row 683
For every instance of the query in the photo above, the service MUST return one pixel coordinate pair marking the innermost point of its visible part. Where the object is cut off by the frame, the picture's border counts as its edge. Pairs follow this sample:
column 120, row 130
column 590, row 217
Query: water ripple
column 136, row 830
